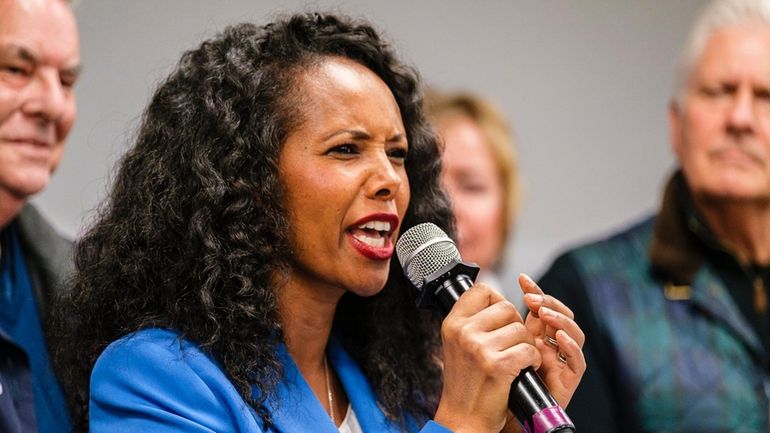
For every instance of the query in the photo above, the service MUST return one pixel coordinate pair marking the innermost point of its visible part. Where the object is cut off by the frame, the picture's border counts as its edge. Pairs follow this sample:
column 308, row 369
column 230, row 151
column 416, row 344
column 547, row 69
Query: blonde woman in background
column 480, row 173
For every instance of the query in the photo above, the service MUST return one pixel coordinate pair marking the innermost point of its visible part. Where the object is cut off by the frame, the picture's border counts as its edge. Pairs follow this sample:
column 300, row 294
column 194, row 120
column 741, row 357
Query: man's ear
column 675, row 121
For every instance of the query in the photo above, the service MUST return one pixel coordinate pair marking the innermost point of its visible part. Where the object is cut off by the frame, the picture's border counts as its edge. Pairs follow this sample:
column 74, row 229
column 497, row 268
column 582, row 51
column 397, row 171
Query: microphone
column 432, row 263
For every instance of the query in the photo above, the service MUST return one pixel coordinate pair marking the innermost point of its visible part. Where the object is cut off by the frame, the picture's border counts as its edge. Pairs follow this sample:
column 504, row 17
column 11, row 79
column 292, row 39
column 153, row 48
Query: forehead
column 44, row 29
column 466, row 146
column 740, row 51
column 462, row 132
column 335, row 77
column 340, row 89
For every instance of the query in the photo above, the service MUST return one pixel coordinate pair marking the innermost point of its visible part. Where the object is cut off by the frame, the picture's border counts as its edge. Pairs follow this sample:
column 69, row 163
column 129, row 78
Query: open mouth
column 374, row 233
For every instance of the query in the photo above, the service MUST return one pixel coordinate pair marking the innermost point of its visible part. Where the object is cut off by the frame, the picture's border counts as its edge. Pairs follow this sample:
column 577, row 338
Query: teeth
column 373, row 242
column 380, row 226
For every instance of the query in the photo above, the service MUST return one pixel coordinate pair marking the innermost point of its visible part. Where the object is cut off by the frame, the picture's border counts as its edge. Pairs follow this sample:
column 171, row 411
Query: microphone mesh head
column 424, row 249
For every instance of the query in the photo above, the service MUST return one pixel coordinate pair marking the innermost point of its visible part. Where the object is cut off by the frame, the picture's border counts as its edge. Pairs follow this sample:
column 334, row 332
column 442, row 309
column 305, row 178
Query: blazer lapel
column 293, row 406
column 360, row 393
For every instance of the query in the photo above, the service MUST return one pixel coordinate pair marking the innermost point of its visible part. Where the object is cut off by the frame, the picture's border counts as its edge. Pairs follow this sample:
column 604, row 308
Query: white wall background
column 586, row 84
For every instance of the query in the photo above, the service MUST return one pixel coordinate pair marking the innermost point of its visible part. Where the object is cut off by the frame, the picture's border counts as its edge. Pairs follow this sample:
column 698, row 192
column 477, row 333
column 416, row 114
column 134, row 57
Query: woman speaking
column 240, row 276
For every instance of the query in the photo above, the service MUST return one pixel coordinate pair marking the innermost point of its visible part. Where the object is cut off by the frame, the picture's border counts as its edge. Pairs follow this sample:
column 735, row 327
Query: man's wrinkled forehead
column 40, row 32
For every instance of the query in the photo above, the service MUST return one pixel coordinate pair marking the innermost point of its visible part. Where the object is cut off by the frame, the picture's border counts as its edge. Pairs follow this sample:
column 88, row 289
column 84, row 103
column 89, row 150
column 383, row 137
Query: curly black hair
column 193, row 227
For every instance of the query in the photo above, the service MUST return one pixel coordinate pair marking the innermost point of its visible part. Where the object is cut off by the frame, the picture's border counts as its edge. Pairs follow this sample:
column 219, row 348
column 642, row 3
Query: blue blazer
column 153, row 381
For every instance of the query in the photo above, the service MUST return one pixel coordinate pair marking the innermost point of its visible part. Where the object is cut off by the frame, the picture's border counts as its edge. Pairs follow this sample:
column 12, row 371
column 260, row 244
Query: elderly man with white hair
column 675, row 308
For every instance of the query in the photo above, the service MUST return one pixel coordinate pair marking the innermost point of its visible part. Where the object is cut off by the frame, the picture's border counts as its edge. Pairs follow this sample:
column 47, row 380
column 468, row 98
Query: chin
column 27, row 186
column 740, row 192
column 729, row 182
column 366, row 289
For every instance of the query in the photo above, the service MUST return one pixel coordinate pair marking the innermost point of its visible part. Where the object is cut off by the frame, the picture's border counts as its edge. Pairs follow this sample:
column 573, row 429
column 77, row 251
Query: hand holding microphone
column 488, row 352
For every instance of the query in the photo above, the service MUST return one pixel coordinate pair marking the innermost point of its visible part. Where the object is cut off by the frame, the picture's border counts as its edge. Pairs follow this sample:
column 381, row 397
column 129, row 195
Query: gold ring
column 562, row 357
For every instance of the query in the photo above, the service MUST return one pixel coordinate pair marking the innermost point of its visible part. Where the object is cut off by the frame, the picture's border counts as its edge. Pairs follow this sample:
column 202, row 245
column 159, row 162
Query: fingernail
column 527, row 278
column 566, row 336
column 548, row 312
column 530, row 282
column 534, row 298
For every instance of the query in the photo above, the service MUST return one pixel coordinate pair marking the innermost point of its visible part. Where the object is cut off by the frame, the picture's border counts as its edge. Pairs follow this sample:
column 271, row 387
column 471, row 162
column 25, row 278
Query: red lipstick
column 371, row 235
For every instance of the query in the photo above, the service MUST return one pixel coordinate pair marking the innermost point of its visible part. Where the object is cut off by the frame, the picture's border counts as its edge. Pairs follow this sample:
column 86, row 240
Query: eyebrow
column 28, row 56
column 357, row 134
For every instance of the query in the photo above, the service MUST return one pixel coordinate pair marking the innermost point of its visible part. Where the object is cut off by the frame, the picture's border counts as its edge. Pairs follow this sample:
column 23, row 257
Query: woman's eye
column 343, row 150
column 476, row 188
column 398, row 154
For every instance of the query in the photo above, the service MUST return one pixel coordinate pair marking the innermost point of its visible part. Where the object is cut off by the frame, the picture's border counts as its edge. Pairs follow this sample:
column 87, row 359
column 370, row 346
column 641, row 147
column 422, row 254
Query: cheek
column 764, row 135
column 7, row 106
column 67, row 120
column 307, row 200
column 702, row 126
column 56, row 156
column 315, row 201
column 489, row 217
column 694, row 140
column 404, row 196
column 480, row 214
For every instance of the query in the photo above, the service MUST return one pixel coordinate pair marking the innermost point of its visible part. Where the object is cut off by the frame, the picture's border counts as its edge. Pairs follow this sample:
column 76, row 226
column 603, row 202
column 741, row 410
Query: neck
column 306, row 318
column 306, row 315
column 742, row 227
column 10, row 206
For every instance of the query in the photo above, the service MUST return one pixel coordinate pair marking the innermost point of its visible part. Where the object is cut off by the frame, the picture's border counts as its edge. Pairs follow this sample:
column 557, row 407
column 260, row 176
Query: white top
column 350, row 423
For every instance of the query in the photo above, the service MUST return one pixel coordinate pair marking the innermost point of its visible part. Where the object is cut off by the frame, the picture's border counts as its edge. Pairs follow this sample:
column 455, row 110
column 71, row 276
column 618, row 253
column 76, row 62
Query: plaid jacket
column 662, row 357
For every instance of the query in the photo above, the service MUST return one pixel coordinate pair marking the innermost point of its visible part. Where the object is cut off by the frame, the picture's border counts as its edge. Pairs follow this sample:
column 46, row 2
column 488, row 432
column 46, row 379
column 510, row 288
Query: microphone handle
column 529, row 400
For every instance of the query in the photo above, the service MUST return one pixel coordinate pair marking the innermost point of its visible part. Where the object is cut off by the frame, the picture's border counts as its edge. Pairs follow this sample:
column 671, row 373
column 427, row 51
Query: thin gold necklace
column 329, row 394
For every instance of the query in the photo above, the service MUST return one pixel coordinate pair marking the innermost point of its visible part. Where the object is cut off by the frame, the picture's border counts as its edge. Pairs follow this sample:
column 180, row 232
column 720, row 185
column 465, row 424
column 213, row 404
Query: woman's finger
column 535, row 297
column 475, row 299
column 572, row 354
column 559, row 321
column 508, row 336
column 496, row 316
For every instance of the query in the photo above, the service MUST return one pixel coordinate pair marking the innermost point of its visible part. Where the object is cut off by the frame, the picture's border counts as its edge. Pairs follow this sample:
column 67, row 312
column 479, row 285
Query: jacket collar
column 294, row 406
column 680, row 241
column 48, row 257
column 676, row 252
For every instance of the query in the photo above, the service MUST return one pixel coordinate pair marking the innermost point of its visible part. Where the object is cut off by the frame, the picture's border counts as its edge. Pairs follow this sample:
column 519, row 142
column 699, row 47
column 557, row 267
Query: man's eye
column 719, row 91
column 13, row 70
column 710, row 91
column 15, row 74
column 762, row 94
column 68, row 82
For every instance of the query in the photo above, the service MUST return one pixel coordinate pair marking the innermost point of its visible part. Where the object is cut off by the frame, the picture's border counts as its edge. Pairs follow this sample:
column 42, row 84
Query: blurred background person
column 39, row 64
column 241, row 277
column 480, row 174
column 675, row 308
